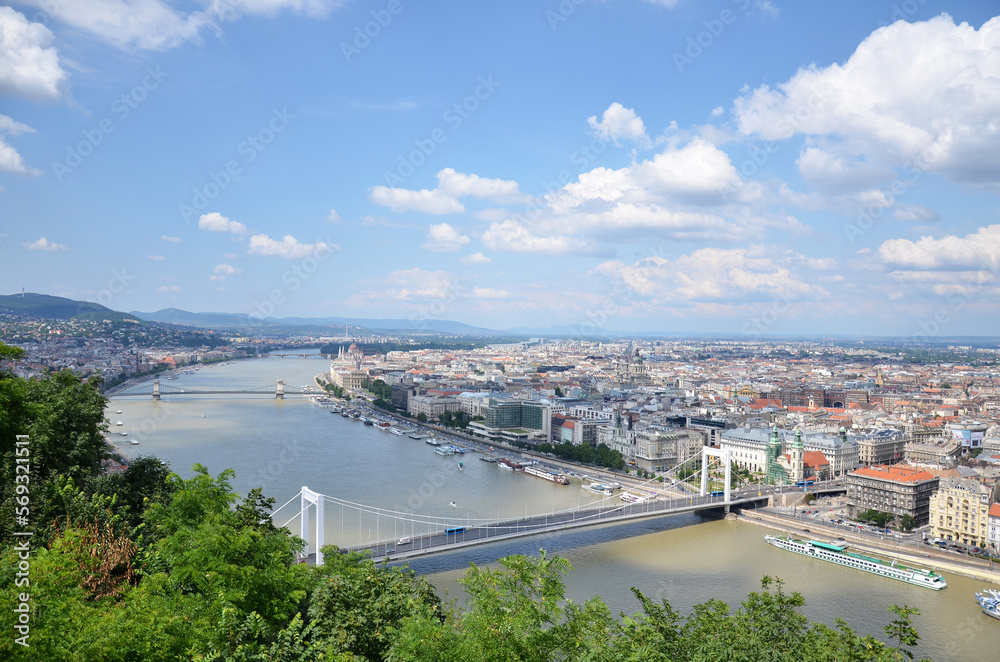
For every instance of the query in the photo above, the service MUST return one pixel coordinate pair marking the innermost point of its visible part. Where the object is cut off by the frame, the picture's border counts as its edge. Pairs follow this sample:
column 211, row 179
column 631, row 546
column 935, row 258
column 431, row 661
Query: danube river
column 281, row 445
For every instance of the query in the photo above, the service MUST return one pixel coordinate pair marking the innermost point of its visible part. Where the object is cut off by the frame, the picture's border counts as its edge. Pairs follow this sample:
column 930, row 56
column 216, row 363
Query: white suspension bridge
column 398, row 534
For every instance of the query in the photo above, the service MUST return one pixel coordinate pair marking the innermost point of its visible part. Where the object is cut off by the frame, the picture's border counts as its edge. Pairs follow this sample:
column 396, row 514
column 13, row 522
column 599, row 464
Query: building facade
column 993, row 527
column 894, row 489
column 881, row 447
column 960, row 511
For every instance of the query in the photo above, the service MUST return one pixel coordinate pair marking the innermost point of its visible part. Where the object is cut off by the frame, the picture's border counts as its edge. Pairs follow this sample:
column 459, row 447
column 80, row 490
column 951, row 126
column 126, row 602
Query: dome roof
column 352, row 348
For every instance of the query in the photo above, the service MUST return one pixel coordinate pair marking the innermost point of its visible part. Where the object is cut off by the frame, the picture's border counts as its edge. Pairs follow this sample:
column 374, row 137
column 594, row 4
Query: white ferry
column 989, row 600
column 397, row 432
column 547, row 475
column 836, row 554
column 599, row 488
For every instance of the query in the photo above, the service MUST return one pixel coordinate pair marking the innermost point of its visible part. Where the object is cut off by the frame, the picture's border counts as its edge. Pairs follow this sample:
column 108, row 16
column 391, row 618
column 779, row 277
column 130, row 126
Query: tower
column 798, row 458
column 775, row 473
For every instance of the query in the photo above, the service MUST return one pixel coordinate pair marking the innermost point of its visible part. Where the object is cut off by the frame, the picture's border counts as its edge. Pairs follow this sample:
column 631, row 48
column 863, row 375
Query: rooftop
column 895, row 473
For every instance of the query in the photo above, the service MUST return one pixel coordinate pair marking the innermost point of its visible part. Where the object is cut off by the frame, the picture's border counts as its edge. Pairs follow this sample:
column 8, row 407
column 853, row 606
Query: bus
column 804, row 483
column 719, row 493
column 453, row 530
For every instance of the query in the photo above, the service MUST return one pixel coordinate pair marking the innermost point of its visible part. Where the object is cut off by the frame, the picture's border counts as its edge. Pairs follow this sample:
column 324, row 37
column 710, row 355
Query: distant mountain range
column 328, row 325
column 60, row 308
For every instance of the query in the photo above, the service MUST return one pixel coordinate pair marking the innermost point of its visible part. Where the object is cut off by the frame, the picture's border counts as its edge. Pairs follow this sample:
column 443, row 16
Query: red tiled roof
column 896, row 473
column 995, row 510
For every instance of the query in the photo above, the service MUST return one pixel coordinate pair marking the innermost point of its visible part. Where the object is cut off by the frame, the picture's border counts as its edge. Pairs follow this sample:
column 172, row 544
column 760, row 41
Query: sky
column 749, row 167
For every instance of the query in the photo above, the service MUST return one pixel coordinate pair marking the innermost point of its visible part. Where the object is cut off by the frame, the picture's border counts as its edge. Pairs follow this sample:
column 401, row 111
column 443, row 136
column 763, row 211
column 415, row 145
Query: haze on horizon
column 730, row 166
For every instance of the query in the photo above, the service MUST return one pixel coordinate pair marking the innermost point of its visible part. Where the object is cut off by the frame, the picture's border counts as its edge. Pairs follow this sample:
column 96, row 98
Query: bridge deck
column 434, row 543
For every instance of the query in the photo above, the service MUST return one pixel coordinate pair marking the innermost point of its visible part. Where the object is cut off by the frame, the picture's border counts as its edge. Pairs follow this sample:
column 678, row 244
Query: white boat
column 397, row 432
column 547, row 475
column 119, row 411
column 453, row 504
column 134, row 442
column 836, row 554
column 598, row 488
column 989, row 600
column 119, row 423
column 444, row 450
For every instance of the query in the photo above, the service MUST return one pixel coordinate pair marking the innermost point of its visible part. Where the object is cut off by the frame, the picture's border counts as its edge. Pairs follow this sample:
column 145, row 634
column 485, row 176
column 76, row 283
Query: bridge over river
column 156, row 391
column 442, row 534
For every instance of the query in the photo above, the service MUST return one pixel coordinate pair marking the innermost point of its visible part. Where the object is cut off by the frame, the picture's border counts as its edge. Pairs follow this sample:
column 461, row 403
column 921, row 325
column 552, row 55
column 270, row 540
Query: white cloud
column 288, row 248
column 838, row 173
column 511, row 236
column 917, row 213
column 168, row 288
column 428, row 202
column 222, row 270
column 156, row 258
column 460, row 185
column 230, row 256
column 476, row 258
column 171, row 240
column 490, row 293
column 156, row 25
column 443, row 237
column 216, row 222
column 912, row 95
column 619, row 122
column 29, row 68
column 334, row 217
column 10, row 159
column 44, row 244
column 715, row 274
column 979, row 250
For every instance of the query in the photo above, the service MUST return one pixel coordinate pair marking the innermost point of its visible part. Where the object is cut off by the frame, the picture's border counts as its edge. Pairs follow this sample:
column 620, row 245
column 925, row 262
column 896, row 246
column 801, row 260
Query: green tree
column 422, row 417
column 901, row 630
column 907, row 522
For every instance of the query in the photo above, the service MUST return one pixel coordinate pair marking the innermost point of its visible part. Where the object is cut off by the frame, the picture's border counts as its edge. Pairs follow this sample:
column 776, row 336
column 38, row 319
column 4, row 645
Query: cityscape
column 376, row 330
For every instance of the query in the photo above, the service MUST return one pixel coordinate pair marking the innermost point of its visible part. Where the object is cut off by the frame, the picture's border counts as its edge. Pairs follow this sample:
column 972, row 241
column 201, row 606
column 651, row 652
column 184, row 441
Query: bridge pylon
column 726, row 457
column 314, row 498
column 279, row 394
column 156, row 389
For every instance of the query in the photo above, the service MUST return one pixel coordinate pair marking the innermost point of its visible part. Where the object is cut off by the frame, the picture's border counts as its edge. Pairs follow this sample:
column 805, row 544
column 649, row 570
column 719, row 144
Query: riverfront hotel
column 960, row 511
column 895, row 489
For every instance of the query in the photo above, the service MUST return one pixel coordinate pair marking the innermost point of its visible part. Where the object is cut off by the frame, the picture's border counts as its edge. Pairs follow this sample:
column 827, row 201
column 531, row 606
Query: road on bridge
column 461, row 536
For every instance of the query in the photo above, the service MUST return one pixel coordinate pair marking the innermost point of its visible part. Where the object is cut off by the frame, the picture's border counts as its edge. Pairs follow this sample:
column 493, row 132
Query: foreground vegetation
column 150, row 566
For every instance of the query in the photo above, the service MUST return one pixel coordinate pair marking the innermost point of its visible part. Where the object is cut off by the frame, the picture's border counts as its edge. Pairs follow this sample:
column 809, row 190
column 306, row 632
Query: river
column 281, row 445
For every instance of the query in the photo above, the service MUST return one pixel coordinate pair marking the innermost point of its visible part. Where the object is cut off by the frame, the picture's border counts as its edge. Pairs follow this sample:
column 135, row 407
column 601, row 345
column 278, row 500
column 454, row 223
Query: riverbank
column 932, row 558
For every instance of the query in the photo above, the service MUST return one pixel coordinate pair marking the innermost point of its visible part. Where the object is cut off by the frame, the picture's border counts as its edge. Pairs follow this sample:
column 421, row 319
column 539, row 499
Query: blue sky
column 745, row 166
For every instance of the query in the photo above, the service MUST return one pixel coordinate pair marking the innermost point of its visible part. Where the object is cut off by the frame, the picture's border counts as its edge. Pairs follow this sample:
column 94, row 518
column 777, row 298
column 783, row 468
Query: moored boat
column 837, row 554
column 989, row 600
column 599, row 488
column 547, row 475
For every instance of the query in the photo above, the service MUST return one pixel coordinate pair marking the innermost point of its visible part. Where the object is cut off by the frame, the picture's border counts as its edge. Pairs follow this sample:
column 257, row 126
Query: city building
column 895, row 489
column 662, row 449
column 937, row 452
column 514, row 420
column 960, row 510
column 993, row 524
column 881, row 447
column 431, row 406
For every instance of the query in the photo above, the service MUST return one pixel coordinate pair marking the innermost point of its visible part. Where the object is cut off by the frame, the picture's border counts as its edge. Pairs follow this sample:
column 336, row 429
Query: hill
column 61, row 308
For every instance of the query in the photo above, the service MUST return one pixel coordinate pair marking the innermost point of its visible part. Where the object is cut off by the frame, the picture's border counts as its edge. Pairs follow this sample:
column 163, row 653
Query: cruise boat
column 989, row 600
column 444, row 450
column 397, row 432
column 508, row 465
column 628, row 497
column 547, row 475
column 432, row 441
column 599, row 488
column 837, row 554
